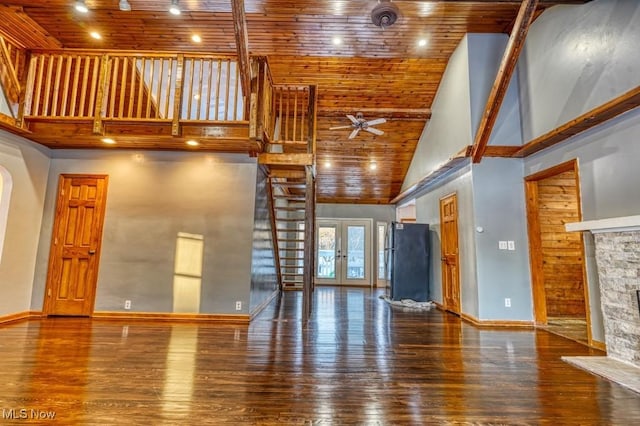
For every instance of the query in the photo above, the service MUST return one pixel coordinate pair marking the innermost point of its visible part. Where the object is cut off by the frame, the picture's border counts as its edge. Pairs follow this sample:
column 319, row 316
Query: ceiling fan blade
column 354, row 133
column 352, row 118
column 341, row 127
column 376, row 121
column 374, row 131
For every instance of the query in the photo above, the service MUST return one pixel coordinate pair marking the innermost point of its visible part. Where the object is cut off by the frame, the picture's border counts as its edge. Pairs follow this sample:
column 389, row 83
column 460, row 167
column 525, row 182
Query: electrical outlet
column 238, row 305
column 511, row 245
column 502, row 245
column 507, row 302
column 127, row 304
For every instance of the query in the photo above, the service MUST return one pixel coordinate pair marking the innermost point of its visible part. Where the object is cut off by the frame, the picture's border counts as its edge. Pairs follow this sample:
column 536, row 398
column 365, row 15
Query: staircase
column 290, row 213
column 285, row 127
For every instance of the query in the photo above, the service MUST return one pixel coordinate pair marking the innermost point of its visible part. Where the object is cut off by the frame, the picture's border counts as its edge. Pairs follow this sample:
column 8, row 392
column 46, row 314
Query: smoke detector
column 384, row 14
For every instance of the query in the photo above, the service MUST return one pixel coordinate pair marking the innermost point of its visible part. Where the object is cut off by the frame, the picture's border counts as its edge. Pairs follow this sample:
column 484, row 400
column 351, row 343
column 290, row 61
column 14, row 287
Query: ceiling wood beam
column 501, row 84
column 596, row 116
column 391, row 113
column 242, row 44
column 292, row 160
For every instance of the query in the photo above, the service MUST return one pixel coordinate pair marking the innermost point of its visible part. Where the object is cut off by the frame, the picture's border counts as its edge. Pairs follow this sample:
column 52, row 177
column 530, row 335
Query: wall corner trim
column 20, row 316
column 170, row 316
column 264, row 304
column 496, row 323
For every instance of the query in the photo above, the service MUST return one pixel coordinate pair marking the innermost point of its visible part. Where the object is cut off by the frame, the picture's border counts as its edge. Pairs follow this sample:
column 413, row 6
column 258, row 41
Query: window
column 5, row 192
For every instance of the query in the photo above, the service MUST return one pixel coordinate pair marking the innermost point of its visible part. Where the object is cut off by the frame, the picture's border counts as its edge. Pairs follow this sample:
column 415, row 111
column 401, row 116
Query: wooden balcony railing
column 133, row 87
column 284, row 114
column 12, row 62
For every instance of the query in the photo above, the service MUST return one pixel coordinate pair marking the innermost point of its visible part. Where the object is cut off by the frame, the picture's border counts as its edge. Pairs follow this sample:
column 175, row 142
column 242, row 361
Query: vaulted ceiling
column 381, row 72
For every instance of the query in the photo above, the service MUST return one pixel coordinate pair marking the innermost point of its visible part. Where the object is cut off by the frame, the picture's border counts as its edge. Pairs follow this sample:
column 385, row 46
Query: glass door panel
column 343, row 251
column 355, row 252
column 327, row 243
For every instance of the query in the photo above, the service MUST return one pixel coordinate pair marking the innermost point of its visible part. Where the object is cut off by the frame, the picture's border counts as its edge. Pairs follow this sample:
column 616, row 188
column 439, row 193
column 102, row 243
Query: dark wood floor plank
column 359, row 361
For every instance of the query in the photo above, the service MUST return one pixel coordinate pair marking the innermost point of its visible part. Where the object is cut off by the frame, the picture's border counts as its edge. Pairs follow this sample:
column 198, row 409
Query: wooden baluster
column 161, row 63
column 123, row 87
column 25, row 106
column 95, row 70
column 226, row 96
column 177, row 99
column 286, row 117
column 101, row 101
column 40, row 72
column 217, row 97
column 189, row 84
column 74, row 91
column 235, row 95
column 113, row 80
column 65, row 87
column 295, row 112
column 168, row 89
column 47, row 87
column 209, row 86
column 199, row 93
column 132, row 88
column 305, row 103
column 56, row 87
column 143, row 64
column 150, row 88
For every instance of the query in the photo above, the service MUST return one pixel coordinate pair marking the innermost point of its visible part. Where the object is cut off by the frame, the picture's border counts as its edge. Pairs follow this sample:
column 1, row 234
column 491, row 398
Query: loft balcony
column 144, row 100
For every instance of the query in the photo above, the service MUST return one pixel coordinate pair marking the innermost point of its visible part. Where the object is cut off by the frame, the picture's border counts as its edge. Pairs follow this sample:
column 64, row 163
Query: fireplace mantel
column 613, row 224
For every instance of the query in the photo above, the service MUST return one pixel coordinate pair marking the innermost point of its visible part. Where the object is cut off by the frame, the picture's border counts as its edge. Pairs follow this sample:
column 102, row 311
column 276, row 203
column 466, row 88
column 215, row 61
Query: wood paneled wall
column 562, row 252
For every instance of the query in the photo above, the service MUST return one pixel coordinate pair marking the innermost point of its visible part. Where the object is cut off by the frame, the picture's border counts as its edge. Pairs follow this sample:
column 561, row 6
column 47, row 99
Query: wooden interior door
column 449, row 253
column 556, row 256
column 75, row 245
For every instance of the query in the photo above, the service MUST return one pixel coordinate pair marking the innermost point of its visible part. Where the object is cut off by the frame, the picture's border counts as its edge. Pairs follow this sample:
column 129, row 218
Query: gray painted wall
column 576, row 58
column 449, row 129
column 151, row 197
column 428, row 211
column 499, row 206
column 264, row 280
column 485, row 54
column 28, row 166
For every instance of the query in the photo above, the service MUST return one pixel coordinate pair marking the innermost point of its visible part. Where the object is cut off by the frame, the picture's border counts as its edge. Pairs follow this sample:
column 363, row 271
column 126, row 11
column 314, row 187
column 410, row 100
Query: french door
column 343, row 251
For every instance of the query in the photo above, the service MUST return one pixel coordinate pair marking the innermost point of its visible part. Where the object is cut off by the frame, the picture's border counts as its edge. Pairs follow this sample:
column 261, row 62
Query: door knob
column 92, row 252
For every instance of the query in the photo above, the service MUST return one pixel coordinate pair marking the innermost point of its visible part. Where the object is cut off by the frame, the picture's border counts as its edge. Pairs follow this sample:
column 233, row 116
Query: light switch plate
column 511, row 245
column 502, row 245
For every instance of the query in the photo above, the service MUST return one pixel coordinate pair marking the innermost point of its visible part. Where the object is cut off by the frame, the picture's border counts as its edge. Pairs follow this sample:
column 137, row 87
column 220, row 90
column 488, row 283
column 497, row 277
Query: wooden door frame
column 47, row 305
column 443, row 272
column 535, row 243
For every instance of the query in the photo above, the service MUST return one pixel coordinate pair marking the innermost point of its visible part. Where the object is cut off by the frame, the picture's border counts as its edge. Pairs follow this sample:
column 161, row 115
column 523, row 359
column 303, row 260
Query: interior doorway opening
column 560, row 291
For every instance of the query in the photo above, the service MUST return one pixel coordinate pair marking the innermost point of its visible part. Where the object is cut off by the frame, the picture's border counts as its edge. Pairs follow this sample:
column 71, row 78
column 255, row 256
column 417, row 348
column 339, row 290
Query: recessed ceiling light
column 422, row 42
column 196, row 38
column 192, row 143
column 373, row 165
column 174, row 9
column 81, row 7
column 327, row 164
column 96, row 35
column 337, row 41
column 108, row 141
column 124, row 6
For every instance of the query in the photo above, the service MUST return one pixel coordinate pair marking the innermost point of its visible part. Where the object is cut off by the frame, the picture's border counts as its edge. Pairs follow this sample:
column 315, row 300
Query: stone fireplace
column 617, row 242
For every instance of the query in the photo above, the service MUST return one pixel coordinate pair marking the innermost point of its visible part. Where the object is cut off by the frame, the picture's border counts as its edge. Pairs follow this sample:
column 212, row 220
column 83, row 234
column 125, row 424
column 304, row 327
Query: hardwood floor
column 359, row 361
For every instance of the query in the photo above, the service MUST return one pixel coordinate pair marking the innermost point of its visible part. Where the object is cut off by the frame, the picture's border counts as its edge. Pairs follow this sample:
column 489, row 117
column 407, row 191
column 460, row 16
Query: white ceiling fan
column 359, row 123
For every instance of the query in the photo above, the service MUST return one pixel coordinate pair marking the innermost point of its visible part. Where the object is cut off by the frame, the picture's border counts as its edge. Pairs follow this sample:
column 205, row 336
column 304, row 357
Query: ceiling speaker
column 384, row 14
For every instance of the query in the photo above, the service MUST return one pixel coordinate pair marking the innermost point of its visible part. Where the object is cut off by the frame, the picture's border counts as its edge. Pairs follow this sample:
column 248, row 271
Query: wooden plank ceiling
column 384, row 73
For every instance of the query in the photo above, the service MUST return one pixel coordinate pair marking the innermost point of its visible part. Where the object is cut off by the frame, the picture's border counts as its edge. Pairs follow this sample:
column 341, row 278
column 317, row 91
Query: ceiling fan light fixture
column 81, row 7
column 124, row 6
column 384, row 14
column 174, row 9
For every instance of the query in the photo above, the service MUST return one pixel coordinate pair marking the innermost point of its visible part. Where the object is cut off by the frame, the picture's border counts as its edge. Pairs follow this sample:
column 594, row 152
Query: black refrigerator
column 407, row 259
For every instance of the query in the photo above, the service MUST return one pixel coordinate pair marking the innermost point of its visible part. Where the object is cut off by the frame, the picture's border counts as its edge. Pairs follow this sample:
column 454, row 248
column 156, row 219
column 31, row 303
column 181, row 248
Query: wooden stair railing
column 287, row 133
